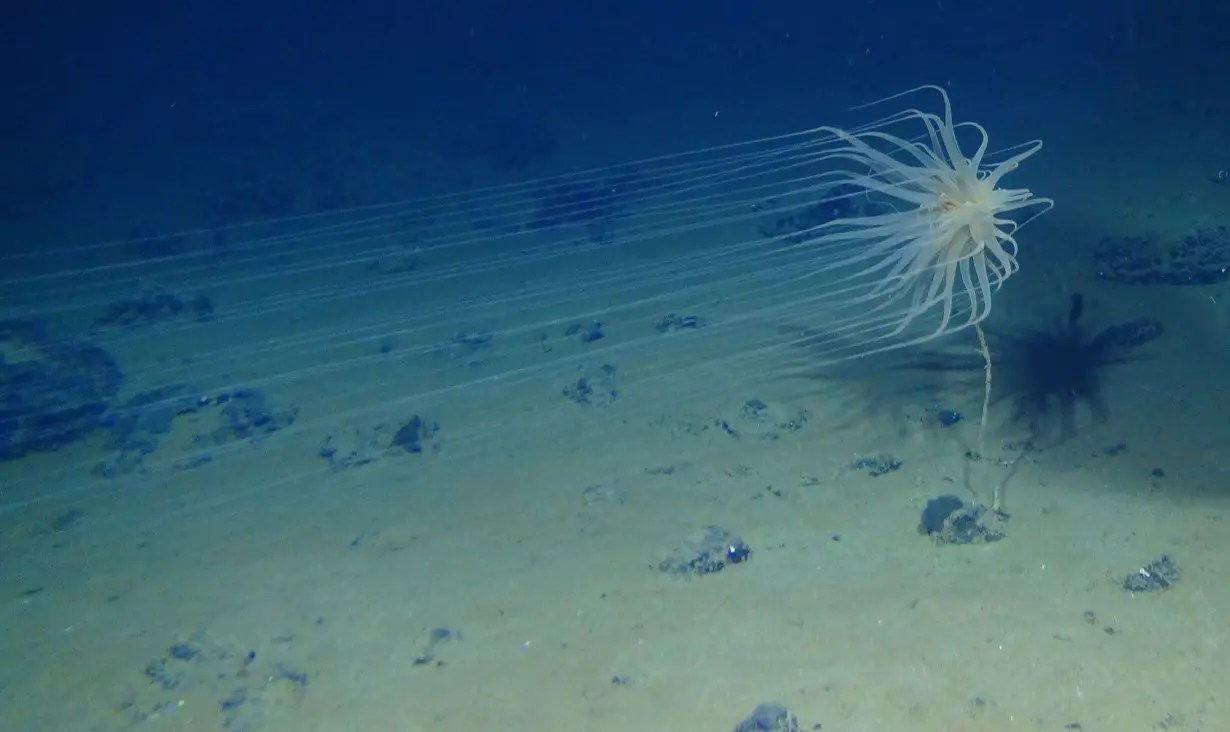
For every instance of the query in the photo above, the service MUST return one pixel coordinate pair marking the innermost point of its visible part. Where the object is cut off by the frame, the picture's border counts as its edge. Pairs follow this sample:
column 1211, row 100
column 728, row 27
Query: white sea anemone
column 937, row 240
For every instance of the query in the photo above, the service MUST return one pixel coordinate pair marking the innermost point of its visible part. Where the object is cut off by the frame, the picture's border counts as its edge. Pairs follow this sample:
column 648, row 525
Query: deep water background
column 126, row 51
column 95, row 82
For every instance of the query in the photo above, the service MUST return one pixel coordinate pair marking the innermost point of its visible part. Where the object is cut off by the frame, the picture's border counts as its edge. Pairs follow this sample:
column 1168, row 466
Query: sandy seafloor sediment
column 531, row 527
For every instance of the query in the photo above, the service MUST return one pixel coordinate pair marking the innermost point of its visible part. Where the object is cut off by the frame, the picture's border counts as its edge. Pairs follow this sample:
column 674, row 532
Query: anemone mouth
column 942, row 243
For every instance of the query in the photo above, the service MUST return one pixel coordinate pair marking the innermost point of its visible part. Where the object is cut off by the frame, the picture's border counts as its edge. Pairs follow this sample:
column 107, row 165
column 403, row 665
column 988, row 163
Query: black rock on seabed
column 53, row 391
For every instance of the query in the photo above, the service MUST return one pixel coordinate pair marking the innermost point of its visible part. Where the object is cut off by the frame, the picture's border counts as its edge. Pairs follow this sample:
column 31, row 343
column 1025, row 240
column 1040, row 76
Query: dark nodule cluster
column 247, row 686
column 769, row 717
column 353, row 448
column 949, row 520
column 1202, row 257
column 154, row 307
column 57, row 391
column 711, row 553
column 876, row 465
column 54, row 391
column 1160, row 574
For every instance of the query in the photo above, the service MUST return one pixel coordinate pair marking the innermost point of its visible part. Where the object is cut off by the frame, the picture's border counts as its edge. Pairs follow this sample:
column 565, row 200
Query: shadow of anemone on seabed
column 1045, row 373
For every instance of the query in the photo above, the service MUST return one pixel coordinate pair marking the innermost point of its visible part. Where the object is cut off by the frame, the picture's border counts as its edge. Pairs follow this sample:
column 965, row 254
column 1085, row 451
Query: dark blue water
column 81, row 78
